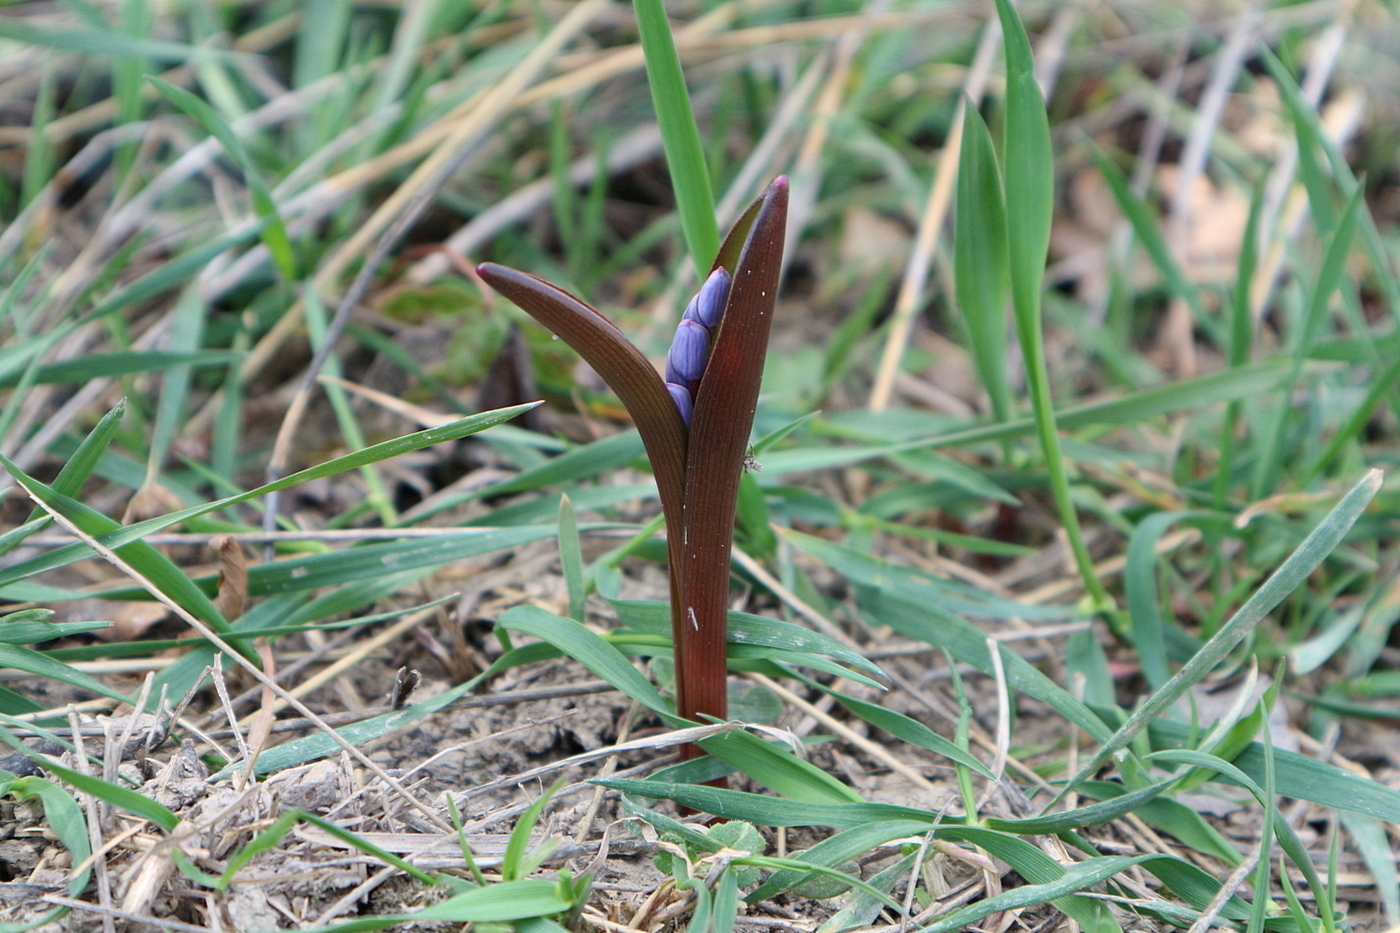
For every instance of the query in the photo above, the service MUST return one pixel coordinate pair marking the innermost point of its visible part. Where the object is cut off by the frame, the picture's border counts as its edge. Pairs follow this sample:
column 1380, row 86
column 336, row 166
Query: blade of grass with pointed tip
column 106, row 365
column 1294, row 571
column 1030, row 189
column 571, row 558
column 911, row 612
column 73, row 474
column 1240, row 336
column 768, row 811
column 725, row 404
column 149, row 561
column 980, row 258
column 1145, row 621
column 680, row 137
column 1148, row 231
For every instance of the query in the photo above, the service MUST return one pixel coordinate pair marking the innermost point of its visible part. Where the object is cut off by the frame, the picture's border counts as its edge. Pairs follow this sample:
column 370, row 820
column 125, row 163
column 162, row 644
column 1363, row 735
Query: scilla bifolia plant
column 694, row 424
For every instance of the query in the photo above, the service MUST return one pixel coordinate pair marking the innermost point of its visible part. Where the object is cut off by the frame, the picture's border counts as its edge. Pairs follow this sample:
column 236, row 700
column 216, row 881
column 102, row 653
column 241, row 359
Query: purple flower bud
column 707, row 307
column 690, row 350
column 682, row 398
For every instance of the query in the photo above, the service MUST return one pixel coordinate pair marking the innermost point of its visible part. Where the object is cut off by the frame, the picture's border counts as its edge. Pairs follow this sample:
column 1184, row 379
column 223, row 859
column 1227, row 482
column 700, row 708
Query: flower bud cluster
column 690, row 349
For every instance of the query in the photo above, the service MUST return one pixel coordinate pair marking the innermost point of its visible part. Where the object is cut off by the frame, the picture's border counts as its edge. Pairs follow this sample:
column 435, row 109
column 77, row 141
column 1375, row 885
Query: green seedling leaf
column 499, row 903
column 1297, row 776
column 910, row 730
column 364, row 845
column 837, row 850
column 1092, row 815
column 120, row 797
column 912, row 614
column 1140, row 582
column 1329, row 279
column 1148, row 231
column 142, row 557
column 571, row 559
column 768, row 811
column 1171, row 817
column 108, row 365
column 519, row 861
column 652, row 616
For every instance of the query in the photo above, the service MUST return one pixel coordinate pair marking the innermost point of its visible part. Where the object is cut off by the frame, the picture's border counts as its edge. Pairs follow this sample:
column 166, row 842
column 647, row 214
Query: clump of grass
column 206, row 216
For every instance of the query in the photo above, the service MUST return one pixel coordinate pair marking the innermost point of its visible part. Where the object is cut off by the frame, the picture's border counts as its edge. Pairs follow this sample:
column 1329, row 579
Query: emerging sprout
column 695, row 423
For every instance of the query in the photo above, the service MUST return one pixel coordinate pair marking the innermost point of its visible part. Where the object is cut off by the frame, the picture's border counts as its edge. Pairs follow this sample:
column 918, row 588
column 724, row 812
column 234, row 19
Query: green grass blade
column 778, row 770
column 680, row 137
column 980, row 258
column 142, row 557
column 1148, row 231
column 571, row 559
column 1029, row 186
column 391, row 448
column 590, row 650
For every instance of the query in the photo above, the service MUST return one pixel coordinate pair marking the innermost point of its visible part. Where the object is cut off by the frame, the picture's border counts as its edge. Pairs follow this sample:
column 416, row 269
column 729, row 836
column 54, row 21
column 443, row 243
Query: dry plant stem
column 95, row 819
column 141, row 921
column 911, row 289
column 214, row 638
